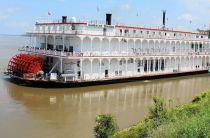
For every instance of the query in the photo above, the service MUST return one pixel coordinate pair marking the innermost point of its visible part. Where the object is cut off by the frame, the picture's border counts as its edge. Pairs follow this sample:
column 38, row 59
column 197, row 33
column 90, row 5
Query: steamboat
column 71, row 53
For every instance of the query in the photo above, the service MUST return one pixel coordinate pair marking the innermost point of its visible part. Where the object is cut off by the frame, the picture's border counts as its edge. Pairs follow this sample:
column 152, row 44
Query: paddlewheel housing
column 25, row 64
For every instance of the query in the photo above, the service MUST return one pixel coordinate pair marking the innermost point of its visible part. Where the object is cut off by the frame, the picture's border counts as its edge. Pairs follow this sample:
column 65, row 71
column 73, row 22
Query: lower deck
column 72, row 84
column 80, row 70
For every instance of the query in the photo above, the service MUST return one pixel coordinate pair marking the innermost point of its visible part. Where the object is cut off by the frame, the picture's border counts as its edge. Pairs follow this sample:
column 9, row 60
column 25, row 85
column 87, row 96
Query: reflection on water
column 34, row 112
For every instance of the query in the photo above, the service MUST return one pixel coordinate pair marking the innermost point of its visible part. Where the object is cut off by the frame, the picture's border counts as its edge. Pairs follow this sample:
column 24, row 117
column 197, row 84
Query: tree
column 105, row 126
column 158, row 113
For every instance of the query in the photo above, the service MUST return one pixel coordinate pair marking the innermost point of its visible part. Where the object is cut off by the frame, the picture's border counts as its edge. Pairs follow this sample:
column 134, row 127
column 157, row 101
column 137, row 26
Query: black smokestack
column 108, row 19
column 164, row 18
column 64, row 19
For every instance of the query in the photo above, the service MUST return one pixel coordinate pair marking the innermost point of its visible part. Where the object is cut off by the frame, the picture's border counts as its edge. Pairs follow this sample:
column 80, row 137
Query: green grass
column 186, row 121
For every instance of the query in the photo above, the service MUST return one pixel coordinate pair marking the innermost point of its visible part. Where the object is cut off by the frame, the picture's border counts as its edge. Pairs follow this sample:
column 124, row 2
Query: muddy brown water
column 70, row 112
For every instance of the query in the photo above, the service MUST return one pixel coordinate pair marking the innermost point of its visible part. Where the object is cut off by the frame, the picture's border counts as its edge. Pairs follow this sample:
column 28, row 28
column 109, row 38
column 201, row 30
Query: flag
column 49, row 13
column 190, row 21
column 98, row 9
column 137, row 14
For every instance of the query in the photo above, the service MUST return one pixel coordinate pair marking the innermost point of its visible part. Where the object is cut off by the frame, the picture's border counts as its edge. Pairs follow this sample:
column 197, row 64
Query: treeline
column 189, row 120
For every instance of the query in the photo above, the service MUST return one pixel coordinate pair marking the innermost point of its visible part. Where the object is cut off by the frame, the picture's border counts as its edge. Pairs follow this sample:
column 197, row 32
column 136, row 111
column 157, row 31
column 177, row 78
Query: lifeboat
column 23, row 64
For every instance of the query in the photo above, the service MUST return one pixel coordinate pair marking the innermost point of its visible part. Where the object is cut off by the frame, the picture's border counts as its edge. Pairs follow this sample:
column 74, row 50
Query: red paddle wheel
column 24, row 64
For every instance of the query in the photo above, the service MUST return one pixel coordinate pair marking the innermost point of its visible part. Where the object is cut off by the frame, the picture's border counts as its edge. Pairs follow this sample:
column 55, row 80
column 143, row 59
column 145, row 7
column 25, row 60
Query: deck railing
column 105, row 54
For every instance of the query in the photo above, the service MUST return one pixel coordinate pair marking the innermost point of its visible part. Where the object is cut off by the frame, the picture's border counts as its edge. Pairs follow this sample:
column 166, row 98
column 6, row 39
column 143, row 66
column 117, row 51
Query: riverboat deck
column 79, row 83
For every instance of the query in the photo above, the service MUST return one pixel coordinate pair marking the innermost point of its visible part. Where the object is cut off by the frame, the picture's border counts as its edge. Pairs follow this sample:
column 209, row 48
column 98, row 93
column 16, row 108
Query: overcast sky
column 18, row 16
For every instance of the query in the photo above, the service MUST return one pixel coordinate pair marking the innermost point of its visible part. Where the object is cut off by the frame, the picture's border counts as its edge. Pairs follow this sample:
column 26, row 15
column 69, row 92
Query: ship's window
column 200, row 45
column 192, row 46
column 153, row 33
column 201, row 36
column 141, row 32
column 116, row 73
column 139, row 70
column 139, row 63
column 131, row 61
column 174, row 49
column 160, row 33
column 174, row 34
column 59, row 47
column 197, row 36
column 73, row 27
column 165, row 34
column 126, row 31
column 121, row 31
column 78, row 63
column 102, row 64
column 120, row 62
column 147, row 32
column 120, row 73
column 79, row 73
column 134, row 31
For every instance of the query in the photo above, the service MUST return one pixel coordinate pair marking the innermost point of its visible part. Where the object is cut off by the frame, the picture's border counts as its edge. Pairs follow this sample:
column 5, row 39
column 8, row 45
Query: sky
column 19, row 16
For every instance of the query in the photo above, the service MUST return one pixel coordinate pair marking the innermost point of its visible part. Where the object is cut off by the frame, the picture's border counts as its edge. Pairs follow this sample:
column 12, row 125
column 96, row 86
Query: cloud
column 3, row 17
column 196, row 5
column 8, row 12
column 7, row 20
column 187, row 17
column 13, row 9
column 19, row 24
column 125, row 7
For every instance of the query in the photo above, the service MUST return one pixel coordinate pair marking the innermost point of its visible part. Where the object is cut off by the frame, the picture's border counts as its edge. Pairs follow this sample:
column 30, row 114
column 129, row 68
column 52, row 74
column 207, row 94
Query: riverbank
column 189, row 120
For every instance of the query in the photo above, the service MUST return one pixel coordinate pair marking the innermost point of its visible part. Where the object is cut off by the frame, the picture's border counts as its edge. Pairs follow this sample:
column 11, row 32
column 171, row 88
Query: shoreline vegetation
column 189, row 120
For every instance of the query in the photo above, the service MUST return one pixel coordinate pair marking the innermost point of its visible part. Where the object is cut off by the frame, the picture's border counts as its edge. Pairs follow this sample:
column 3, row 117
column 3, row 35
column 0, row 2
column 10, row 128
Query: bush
column 189, row 120
column 158, row 112
column 105, row 126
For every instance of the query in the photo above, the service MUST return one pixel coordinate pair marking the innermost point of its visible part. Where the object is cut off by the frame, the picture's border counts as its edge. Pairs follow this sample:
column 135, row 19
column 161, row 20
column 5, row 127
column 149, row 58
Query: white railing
column 50, row 52
column 105, row 54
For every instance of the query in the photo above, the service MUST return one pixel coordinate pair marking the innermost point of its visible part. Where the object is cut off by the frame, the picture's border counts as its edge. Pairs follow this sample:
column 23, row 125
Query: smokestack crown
column 164, row 18
column 108, row 19
column 64, row 19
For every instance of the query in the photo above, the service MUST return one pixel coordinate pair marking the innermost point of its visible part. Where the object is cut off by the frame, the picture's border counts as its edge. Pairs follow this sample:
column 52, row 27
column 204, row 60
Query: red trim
column 77, row 23
column 156, row 29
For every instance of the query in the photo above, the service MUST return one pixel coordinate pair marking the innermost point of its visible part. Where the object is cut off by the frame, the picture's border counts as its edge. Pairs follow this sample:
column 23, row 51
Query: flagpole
column 97, row 14
column 48, row 14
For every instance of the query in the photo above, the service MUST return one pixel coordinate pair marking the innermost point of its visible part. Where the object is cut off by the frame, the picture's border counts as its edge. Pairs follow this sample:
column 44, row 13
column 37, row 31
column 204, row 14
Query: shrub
column 199, row 98
column 189, row 120
column 158, row 112
column 105, row 126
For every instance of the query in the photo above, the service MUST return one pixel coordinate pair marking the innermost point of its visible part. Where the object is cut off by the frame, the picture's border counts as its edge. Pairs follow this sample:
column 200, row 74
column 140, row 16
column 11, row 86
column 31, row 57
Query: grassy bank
column 189, row 120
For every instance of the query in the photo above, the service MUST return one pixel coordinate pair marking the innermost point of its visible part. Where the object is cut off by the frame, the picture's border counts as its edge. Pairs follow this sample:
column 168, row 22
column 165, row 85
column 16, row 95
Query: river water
column 60, row 113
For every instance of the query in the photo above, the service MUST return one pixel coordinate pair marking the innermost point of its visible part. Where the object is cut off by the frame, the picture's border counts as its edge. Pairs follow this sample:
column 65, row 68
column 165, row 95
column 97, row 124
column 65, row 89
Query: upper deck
column 117, row 30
